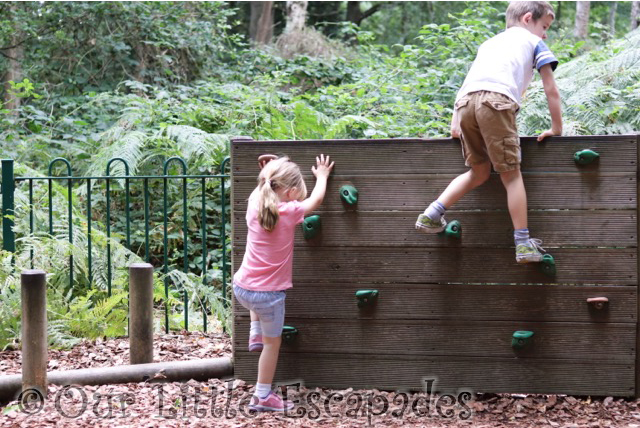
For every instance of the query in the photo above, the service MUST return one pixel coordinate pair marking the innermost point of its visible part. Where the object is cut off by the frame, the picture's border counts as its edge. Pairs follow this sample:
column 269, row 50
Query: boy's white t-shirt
column 505, row 63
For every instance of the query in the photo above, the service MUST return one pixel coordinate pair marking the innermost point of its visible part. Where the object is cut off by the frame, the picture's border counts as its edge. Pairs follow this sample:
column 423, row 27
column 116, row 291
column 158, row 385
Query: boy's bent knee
column 481, row 172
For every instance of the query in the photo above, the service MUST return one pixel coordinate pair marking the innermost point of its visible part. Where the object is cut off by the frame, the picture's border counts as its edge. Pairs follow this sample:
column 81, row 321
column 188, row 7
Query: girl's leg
column 269, row 359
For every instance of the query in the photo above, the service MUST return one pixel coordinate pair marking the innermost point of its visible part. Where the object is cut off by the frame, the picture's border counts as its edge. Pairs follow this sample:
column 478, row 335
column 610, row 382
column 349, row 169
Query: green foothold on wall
column 521, row 339
column 289, row 334
column 586, row 156
column 453, row 230
column 311, row 226
column 349, row 194
column 548, row 265
column 366, row 297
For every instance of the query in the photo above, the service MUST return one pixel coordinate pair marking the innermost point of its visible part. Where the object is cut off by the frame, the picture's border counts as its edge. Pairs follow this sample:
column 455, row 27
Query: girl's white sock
column 255, row 329
column 263, row 389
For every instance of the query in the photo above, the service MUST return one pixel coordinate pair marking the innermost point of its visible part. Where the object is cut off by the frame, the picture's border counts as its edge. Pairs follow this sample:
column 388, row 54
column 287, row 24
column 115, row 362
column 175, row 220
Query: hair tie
column 267, row 182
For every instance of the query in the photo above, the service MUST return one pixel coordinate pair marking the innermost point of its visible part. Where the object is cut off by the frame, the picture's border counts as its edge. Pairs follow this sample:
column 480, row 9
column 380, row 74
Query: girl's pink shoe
column 255, row 343
column 271, row 403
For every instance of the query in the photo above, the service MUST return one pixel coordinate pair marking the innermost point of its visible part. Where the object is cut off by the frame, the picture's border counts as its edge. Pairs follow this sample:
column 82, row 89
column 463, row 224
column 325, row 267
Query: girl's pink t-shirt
column 268, row 258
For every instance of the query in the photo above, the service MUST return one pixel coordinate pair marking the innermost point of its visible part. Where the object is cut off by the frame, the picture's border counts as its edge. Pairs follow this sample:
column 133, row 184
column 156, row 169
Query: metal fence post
column 34, row 331
column 8, row 188
column 141, row 313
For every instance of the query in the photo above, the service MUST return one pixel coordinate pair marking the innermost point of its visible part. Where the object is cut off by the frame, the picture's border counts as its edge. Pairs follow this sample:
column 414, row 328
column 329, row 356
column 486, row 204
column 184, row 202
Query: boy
column 485, row 112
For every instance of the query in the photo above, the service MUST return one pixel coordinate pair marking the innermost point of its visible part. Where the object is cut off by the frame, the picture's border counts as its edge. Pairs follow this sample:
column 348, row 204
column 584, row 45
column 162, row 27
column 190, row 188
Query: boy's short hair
column 517, row 9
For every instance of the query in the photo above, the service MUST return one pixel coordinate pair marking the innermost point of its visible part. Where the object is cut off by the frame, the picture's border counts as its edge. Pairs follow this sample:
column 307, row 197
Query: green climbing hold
column 349, row 194
column 289, row 334
column 521, row 339
column 366, row 297
column 586, row 156
column 311, row 226
column 453, row 230
column 548, row 265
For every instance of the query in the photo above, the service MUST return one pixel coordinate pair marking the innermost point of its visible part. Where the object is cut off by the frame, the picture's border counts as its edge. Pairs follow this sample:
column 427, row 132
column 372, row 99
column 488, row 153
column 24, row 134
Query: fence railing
column 10, row 182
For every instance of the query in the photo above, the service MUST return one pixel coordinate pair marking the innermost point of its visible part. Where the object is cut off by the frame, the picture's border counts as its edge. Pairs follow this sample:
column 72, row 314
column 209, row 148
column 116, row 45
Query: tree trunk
column 354, row 14
column 582, row 19
column 296, row 16
column 261, row 22
column 635, row 14
column 14, row 68
column 612, row 18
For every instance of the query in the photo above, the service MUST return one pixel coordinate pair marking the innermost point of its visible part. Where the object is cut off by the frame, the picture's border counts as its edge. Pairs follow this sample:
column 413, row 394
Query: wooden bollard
column 33, row 284
column 141, row 313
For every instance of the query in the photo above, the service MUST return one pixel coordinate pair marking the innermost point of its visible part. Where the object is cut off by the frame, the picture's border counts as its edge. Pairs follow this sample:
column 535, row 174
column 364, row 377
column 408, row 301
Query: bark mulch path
column 223, row 403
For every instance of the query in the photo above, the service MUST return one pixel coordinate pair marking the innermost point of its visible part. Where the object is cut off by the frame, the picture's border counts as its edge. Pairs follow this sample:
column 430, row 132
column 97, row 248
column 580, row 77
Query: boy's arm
column 553, row 99
column 455, row 126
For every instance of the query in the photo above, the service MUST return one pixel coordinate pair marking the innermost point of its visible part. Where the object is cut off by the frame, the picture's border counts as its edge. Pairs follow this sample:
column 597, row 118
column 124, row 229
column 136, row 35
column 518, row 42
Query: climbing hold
column 586, row 156
column 349, row 194
column 289, row 334
column 521, row 339
column 598, row 303
column 548, row 265
column 453, row 230
column 311, row 226
column 366, row 297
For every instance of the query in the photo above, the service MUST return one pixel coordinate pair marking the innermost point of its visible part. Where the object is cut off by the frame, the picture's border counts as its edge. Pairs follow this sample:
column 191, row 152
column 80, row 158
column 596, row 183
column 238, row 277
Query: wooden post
column 34, row 330
column 141, row 313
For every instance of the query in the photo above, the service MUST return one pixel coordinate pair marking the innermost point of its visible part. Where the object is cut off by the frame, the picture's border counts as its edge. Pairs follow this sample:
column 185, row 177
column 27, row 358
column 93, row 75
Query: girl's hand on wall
column 265, row 159
column 323, row 167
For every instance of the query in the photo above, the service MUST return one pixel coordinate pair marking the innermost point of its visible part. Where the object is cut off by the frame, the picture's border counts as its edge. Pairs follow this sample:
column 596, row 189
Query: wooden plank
column 581, row 341
column 460, row 302
column 575, row 228
column 415, row 192
column 404, row 372
column 416, row 156
column 457, row 265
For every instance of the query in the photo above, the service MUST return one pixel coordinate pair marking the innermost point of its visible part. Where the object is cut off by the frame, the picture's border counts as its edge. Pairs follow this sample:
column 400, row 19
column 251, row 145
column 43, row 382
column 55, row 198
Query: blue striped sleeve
column 543, row 56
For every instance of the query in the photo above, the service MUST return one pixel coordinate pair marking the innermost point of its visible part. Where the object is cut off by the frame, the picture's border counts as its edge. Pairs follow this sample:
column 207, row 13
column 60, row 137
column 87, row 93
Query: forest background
column 145, row 81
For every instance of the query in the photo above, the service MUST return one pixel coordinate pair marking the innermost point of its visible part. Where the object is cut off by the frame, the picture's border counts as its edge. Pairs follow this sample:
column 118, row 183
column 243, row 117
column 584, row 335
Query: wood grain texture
column 580, row 341
column 404, row 372
column 456, row 265
column 415, row 192
column 416, row 156
column 574, row 228
column 551, row 303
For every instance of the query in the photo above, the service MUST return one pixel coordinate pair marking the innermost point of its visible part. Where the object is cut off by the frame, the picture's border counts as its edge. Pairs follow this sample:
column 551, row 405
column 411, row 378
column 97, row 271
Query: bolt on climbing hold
column 586, row 156
column 598, row 303
column 548, row 265
column 452, row 230
column 521, row 338
column 311, row 226
column 366, row 297
column 349, row 194
column 289, row 334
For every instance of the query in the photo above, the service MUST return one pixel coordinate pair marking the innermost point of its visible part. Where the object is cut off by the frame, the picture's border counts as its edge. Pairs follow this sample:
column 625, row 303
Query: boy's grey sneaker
column 425, row 225
column 529, row 252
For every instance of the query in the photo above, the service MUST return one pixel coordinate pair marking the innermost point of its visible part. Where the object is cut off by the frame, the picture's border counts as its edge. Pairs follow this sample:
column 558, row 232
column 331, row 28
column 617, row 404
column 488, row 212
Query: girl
column 275, row 208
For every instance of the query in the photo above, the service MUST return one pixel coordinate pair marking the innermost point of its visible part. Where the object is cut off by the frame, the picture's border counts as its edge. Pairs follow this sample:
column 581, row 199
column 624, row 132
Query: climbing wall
column 447, row 307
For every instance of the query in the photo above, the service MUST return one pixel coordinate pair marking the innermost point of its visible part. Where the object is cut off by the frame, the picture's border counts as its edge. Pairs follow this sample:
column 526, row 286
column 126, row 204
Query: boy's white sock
column 255, row 329
column 435, row 211
column 263, row 389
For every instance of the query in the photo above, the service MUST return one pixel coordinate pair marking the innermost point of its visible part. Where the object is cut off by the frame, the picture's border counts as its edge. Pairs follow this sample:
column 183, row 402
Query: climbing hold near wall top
column 349, row 194
column 598, row 303
column 586, row 156
column 366, row 297
column 521, row 339
column 311, row 226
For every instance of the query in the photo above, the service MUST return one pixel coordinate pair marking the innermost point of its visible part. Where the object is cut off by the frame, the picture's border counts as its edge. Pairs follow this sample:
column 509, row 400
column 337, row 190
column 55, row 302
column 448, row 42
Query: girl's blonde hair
column 279, row 175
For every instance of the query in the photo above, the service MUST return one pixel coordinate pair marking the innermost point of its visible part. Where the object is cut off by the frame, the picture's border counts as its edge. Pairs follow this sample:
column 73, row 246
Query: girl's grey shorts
column 269, row 305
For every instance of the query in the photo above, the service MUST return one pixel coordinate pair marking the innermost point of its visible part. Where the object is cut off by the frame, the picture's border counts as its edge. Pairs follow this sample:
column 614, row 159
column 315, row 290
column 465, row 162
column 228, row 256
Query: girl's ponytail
column 267, row 205
column 279, row 175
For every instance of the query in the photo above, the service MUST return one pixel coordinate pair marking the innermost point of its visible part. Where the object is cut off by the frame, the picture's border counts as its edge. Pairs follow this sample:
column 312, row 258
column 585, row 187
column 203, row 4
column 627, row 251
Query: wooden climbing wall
column 447, row 308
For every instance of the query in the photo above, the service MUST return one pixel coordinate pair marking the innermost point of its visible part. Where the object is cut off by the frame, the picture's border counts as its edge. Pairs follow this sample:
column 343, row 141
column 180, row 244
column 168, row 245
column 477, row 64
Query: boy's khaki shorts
column 488, row 128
